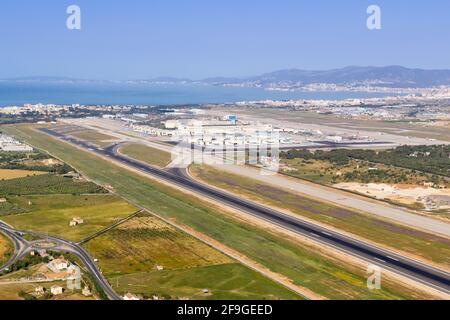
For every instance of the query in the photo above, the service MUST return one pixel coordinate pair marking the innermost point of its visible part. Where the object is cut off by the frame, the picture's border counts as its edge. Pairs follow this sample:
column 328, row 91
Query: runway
column 433, row 277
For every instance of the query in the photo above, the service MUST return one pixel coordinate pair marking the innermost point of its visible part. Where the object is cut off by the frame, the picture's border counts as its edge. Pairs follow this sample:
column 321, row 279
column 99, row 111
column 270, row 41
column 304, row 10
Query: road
column 20, row 246
column 430, row 276
column 23, row 247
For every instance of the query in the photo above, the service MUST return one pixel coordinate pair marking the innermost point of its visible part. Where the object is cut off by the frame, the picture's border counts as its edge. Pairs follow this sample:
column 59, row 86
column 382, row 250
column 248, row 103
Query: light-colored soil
column 6, row 174
column 408, row 194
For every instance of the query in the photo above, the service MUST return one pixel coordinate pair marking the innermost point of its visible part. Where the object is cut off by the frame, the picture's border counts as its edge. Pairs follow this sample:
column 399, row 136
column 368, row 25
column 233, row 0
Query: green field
column 52, row 214
column 130, row 254
column 47, row 184
column 146, row 154
column 419, row 243
column 224, row 282
column 304, row 265
column 145, row 242
column 7, row 208
column 97, row 138
column 6, row 249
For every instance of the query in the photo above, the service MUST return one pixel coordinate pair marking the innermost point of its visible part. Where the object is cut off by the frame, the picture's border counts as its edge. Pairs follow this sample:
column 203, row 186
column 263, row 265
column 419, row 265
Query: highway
column 23, row 247
column 20, row 246
column 415, row 270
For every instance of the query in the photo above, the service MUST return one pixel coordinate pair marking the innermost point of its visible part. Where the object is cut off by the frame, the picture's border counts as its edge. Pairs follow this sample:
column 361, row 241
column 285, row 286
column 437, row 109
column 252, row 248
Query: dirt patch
column 403, row 193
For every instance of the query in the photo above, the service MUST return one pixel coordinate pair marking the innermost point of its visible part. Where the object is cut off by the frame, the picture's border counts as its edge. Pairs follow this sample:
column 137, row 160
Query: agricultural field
column 304, row 265
column 52, row 214
column 419, row 243
column 31, row 161
column 144, row 242
column 97, row 138
column 7, row 174
column 7, row 208
column 6, row 249
column 146, row 154
column 223, row 282
column 146, row 256
column 47, row 184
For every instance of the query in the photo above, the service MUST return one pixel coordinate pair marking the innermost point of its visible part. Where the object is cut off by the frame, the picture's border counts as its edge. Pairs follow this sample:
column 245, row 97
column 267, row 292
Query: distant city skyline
column 198, row 39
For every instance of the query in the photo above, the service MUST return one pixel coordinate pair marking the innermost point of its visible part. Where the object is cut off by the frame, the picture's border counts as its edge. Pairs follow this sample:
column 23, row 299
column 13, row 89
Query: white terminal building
column 214, row 132
column 228, row 131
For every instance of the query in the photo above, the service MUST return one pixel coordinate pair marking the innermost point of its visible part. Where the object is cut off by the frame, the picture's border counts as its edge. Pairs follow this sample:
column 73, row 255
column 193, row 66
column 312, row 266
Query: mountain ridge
column 388, row 76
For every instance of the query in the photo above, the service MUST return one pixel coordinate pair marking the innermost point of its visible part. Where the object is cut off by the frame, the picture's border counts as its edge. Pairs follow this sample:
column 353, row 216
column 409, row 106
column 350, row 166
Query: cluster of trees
column 29, row 297
column 26, row 262
column 47, row 184
column 17, row 161
column 431, row 159
column 375, row 176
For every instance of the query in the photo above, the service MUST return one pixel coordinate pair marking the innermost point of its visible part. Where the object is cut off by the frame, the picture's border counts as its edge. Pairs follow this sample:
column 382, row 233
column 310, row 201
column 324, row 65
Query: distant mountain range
column 392, row 76
column 354, row 76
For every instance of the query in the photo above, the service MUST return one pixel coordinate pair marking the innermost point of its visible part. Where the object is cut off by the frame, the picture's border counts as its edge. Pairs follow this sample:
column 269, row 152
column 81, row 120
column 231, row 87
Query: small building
column 130, row 297
column 159, row 268
column 76, row 221
column 73, row 175
column 56, row 290
column 3, row 200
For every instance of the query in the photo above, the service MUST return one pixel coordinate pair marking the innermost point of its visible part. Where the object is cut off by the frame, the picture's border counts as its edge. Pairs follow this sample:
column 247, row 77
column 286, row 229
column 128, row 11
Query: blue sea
column 17, row 94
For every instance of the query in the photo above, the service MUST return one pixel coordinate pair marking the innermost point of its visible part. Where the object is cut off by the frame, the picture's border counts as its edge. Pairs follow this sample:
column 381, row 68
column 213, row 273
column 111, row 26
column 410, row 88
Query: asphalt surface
column 428, row 275
column 23, row 247
column 20, row 246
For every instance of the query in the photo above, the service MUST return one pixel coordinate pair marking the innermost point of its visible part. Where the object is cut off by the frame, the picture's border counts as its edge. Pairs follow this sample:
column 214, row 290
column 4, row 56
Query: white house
column 58, row 265
column 76, row 221
column 56, row 290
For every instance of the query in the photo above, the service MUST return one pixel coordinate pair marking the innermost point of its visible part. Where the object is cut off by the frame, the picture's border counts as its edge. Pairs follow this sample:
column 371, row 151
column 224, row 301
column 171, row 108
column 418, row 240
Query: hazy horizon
column 52, row 77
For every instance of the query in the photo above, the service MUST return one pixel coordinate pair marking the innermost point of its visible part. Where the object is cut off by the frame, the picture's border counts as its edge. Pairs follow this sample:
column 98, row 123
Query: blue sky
column 137, row 39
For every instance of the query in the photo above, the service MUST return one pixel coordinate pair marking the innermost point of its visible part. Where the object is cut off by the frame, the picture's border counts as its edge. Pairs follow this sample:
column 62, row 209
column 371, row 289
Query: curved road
column 23, row 247
column 20, row 246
